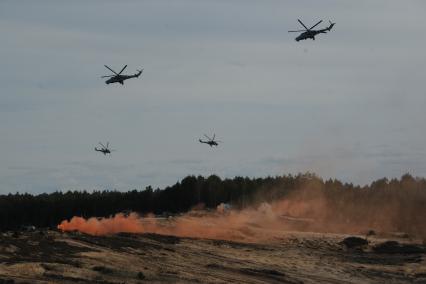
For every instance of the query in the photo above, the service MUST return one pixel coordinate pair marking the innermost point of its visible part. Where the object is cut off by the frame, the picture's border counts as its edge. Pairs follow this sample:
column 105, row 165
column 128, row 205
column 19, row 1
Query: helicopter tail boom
column 139, row 73
column 330, row 26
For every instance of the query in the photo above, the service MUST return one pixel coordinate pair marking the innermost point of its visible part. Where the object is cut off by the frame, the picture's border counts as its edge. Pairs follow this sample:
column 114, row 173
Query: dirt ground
column 293, row 257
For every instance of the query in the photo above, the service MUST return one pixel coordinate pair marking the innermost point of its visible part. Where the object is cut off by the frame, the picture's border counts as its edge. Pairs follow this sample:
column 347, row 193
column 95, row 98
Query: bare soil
column 293, row 257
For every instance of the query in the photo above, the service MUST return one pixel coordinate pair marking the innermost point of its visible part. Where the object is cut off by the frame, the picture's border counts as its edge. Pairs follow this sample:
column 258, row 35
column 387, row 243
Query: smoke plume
column 102, row 226
column 306, row 209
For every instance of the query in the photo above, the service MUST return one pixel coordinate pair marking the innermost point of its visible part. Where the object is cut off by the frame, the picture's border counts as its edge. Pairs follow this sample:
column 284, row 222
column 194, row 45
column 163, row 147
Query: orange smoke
column 242, row 225
column 103, row 226
column 307, row 209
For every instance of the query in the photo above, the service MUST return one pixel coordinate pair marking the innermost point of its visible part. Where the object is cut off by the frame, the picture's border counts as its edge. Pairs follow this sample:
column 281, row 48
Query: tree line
column 407, row 196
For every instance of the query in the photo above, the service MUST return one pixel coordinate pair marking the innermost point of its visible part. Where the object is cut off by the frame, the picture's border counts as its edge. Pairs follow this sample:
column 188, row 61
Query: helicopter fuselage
column 210, row 143
column 309, row 35
column 120, row 78
column 104, row 151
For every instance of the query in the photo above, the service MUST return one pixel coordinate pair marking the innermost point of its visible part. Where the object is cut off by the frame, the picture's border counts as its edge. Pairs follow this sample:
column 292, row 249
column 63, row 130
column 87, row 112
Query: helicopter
column 105, row 149
column 118, row 78
column 309, row 33
column 210, row 141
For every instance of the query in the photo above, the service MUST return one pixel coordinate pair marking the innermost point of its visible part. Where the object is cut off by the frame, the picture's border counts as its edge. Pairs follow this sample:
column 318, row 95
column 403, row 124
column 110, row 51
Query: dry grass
column 291, row 257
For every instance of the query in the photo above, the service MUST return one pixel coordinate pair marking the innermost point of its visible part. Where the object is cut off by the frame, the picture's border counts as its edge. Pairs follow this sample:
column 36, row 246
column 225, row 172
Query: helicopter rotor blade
column 299, row 31
column 316, row 25
column 107, row 145
column 111, row 70
column 208, row 138
column 102, row 145
column 214, row 136
column 108, row 76
column 122, row 69
column 302, row 24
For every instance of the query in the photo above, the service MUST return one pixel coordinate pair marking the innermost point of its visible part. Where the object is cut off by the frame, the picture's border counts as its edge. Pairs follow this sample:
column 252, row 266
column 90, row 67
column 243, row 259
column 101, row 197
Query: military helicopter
column 105, row 149
column 309, row 33
column 210, row 141
column 118, row 78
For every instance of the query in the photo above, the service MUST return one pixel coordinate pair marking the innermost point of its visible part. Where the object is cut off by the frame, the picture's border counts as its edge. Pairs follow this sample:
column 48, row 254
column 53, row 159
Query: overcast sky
column 349, row 105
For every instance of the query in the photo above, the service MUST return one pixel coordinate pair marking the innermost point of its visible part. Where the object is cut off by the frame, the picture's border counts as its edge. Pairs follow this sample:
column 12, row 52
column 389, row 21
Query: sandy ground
column 293, row 257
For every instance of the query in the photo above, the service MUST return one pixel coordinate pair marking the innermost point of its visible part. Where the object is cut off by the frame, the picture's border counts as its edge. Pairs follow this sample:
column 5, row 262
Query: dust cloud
column 308, row 209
